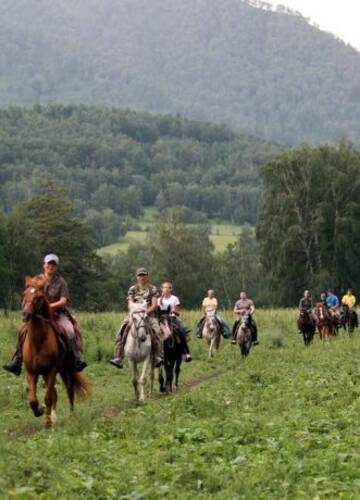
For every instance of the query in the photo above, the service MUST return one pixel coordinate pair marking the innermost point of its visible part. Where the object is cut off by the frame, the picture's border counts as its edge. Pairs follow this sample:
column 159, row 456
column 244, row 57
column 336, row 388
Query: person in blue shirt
column 333, row 303
column 331, row 300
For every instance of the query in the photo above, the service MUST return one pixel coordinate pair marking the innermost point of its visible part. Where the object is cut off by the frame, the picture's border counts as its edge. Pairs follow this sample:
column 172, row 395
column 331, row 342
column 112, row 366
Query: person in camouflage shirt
column 57, row 294
column 141, row 293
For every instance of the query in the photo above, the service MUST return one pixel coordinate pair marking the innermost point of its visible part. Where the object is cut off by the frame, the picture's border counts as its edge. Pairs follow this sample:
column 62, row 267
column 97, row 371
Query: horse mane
column 137, row 308
column 38, row 282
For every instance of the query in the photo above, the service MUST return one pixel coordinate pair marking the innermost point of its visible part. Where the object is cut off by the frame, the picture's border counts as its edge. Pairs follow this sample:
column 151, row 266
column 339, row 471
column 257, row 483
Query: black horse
column 307, row 326
column 173, row 352
column 348, row 319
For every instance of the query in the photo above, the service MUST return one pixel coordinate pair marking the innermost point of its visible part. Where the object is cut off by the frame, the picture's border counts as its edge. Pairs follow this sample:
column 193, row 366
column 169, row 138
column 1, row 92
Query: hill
column 115, row 163
column 268, row 73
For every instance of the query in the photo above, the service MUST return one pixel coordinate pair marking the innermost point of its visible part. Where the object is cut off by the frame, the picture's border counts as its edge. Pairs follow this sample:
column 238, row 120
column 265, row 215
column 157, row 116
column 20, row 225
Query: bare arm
column 59, row 304
column 154, row 305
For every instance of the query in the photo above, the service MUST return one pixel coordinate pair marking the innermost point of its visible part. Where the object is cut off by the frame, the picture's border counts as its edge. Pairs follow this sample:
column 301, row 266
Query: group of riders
column 158, row 307
column 336, row 310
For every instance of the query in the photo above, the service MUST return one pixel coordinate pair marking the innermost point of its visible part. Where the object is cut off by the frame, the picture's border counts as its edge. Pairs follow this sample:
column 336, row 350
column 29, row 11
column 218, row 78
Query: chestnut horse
column 325, row 322
column 45, row 354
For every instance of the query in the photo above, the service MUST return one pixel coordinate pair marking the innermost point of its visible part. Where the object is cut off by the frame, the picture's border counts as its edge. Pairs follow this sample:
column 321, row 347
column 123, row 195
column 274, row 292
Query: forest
column 263, row 72
column 114, row 163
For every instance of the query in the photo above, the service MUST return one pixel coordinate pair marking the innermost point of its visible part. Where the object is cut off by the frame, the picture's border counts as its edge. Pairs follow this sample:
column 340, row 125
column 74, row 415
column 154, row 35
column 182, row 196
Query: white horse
column 138, row 350
column 211, row 332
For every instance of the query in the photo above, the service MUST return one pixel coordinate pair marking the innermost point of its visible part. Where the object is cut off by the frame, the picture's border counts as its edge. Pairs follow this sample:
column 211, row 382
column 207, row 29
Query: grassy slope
column 283, row 424
column 222, row 235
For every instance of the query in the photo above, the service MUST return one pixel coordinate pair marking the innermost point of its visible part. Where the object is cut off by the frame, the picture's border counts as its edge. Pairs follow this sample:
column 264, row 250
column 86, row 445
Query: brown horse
column 45, row 354
column 325, row 322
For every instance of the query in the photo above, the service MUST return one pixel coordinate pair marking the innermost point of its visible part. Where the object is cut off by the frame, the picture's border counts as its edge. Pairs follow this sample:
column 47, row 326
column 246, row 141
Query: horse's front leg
column 51, row 398
column 143, row 378
column 33, row 401
column 177, row 372
column 134, row 378
column 211, row 348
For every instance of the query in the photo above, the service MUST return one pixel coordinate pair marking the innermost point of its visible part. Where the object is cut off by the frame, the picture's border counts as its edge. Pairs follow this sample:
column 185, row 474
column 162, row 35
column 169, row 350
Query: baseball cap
column 141, row 270
column 51, row 257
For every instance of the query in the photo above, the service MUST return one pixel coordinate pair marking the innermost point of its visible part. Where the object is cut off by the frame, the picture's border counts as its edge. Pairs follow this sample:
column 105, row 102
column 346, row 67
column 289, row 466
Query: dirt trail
column 115, row 411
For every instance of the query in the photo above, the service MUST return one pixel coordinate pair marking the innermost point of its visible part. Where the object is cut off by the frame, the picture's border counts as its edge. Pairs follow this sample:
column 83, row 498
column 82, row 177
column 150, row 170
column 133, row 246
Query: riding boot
column 120, row 348
column 184, row 344
column 254, row 333
column 199, row 328
column 233, row 333
column 16, row 363
column 78, row 364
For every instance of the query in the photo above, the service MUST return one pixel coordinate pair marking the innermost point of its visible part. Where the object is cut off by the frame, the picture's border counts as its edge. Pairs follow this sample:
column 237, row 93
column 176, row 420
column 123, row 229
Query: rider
column 210, row 305
column 349, row 300
column 245, row 305
column 306, row 304
column 332, row 303
column 57, row 294
column 170, row 304
column 141, row 293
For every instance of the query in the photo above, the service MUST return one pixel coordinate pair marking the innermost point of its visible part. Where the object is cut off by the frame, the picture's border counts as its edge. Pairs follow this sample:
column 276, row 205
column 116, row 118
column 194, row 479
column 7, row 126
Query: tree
column 47, row 224
column 309, row 229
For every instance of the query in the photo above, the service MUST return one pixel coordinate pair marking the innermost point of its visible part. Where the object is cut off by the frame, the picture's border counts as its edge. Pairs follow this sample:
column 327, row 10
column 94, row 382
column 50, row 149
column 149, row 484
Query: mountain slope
column 264, row 72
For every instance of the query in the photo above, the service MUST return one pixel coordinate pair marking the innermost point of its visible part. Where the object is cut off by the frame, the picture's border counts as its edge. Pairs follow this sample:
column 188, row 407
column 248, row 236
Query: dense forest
column 114, row 163
column 268, row 73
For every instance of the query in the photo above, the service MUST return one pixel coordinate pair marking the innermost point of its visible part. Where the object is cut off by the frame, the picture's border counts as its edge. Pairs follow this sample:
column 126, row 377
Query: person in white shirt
column 169, row 304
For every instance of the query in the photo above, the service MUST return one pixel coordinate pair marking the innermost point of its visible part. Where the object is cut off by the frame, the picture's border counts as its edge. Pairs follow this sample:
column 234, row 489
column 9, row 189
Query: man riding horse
column 169, row 306
column 210, row 305
column 306, row 304
column 332, row 303
column 145, row 294
column 57, row 294
column 245, row 306
column 349, row 301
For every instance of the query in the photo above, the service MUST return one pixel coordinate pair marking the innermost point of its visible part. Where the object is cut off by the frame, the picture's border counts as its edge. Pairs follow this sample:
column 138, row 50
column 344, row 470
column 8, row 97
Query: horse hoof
column 39, row 412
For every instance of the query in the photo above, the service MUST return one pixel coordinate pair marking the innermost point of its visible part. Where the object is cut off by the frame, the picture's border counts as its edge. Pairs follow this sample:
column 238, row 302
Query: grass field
column 283, row 424
column 221, row 235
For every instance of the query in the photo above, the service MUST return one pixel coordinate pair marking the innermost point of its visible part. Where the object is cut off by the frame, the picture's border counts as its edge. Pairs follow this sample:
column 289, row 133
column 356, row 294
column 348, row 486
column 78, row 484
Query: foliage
column 47, row 224
column 255, row 429
column 277, row 77
column 115, row 163
column 308, row 229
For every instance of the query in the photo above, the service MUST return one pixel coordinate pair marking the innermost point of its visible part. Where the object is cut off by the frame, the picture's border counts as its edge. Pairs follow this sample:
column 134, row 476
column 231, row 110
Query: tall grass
column 284, row 423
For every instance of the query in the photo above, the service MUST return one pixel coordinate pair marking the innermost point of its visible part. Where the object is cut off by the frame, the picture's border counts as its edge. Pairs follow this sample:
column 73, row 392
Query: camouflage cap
column 142, row 271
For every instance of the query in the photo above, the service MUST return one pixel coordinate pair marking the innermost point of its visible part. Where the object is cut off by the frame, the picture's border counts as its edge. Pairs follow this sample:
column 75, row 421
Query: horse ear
column 28, row 280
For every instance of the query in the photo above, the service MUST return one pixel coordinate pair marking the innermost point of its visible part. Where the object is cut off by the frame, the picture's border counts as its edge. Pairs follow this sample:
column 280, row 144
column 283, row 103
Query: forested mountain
column 267, row 73
column 114, row 163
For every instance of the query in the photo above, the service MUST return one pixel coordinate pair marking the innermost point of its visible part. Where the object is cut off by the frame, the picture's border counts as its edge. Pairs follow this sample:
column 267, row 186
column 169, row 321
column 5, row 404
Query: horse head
column 211, row 321
column 34, row 297
column 138, row 322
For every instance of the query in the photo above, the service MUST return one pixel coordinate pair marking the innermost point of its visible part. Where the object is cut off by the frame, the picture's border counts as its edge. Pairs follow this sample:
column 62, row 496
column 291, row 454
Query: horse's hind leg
column 169, row 375
column 50, row 398
column 177, row 372
column 33, row 401
column 161, row 381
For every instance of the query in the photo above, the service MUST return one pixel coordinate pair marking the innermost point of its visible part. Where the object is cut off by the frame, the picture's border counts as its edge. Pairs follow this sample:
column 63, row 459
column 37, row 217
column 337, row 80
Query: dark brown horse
column 306, row 325
column 325, row 322
column 45, row 354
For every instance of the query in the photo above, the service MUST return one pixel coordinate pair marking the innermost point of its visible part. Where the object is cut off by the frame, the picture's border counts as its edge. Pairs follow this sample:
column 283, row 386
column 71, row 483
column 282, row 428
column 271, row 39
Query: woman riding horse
column 169, row 306
column 57, row 294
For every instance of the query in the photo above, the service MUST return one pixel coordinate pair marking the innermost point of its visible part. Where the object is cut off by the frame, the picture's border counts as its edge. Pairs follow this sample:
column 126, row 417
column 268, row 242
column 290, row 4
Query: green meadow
column 282, row 424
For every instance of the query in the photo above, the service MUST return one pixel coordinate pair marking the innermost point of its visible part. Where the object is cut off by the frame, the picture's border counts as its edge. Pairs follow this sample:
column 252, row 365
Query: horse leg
column 134, row 378
column 211, row 348
column 50, row 402
column 177, row 372
column 143, row 379
column 161, row 381
column 169, row 375
column 33, row 401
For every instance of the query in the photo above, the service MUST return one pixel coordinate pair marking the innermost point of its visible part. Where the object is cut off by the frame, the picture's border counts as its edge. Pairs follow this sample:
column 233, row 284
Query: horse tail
column 82, row 386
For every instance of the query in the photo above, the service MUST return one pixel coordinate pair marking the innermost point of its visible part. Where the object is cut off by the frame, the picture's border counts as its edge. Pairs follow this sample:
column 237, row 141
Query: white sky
column 341, row 17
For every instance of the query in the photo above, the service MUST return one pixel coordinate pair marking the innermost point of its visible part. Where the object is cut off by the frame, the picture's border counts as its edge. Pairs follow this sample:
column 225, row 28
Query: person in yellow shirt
column 210, row 304
column 349, row 300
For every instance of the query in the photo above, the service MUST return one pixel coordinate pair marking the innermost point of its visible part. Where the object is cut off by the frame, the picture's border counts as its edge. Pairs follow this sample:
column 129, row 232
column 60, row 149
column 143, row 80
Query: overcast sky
column 341, row 17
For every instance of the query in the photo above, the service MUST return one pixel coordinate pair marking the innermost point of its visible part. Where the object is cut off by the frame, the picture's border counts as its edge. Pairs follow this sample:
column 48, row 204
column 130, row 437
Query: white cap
column 51, row 257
